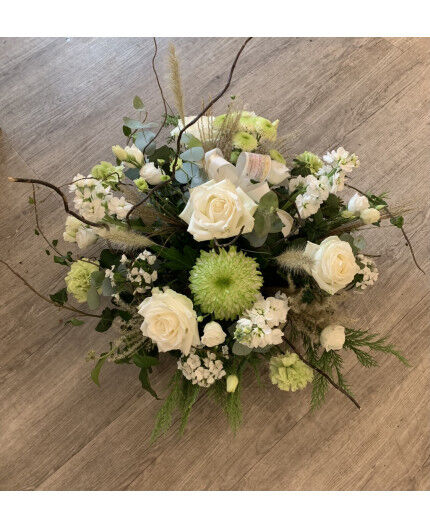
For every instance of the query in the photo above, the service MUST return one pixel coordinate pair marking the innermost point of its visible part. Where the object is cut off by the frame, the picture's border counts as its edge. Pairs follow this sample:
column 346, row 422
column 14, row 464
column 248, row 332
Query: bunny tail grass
column 125, row 238
column 176, row 82
column 294, row 260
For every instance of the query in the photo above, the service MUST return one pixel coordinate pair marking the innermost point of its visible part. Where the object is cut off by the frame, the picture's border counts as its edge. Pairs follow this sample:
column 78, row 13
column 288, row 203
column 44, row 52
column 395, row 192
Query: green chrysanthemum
column 311, row 161
column 247, row 122
column 266, row 129
column 225, row 284
column 289, row 372
column 107, row 173
column 244, row 141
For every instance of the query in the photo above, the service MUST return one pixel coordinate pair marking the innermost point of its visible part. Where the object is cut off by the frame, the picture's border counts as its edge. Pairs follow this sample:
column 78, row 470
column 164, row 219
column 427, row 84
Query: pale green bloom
column 266, row 129
column 310, row 160
column 244, row 141
column 78, row 279
column 141, row 184
column 225, row 284
column 218, row 121
column 277, row 156
column 107, row 173
column 247, row 121
column 232, row 382
column 289, row 372
column 119, row 152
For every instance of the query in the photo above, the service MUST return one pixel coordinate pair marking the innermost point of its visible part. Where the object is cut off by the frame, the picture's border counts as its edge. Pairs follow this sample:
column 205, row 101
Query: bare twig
column 147, row 196
column 64, row 306
column 209, row 105
column 65, row 203
column 162, row 97
column 232, row 241
column 333, row 383
column 36, row 216
column 390, row 214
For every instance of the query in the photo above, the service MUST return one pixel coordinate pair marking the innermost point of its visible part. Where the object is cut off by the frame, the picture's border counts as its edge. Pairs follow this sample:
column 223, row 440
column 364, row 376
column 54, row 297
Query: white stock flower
column 218, row 210
column 358, row 203
column 287, row 221
column 307, row 205
column 342, row 158
column 169, row 320
column 72, row 227
column 213, row 334
column 333, row 337
column 370, row 215
column 333, row 263
column 152, row 174
column 369, row 272
column 78, row 232
column 119, row 206
column 201, row 129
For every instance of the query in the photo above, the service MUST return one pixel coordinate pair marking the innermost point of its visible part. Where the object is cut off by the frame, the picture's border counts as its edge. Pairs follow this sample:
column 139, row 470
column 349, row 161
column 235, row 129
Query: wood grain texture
column 61, row 106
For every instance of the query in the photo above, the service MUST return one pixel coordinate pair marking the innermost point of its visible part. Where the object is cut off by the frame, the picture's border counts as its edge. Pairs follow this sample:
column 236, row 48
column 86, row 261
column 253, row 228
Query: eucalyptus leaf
column 107, row 289
column 275, row 224
column 181, row 176
column 96, row 278
column 137, row 103
column 269, row 202
column 133, row 174
column 193, row 154
column 240, row 350
column 143, row 138
column 74, row 322
column 198, row 180
column 93, row 298
column 136, row 124
column 191, row 169
column 262, row 224
column 255, row 240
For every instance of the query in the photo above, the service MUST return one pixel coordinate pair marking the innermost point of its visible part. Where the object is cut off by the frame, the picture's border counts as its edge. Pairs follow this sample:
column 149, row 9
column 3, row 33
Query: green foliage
column 171, row 120
column 93, row 298
column 146, row 385
column 108, row 259
column 193, row 154
column 137, row 103
column 177, row 260
column 108, row 316
column 60, row 297
column 356, row 340
column 74, row 322
column 397, row 221
column 96, row 370
column 61, row 260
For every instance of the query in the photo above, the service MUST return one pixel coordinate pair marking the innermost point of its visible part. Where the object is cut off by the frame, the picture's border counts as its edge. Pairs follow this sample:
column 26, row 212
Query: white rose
column 170, row 321
column 151, row 174
column 333, row 264
column 333, row 337
column 287, row 220
column 134, row 153
column 278, row 173
column 358, row 203
column 218, row 210
column 213, row 334
column 201, row 130
column 370, row 216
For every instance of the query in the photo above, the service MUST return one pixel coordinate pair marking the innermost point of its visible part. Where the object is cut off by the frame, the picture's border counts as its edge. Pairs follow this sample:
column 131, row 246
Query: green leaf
column 97, row 278
column 36, row 232
column 144, row 380
column 181, row 177
column 176, row 260
column 47, row 251
column 74, row 322
column 109, row 259
column 126, row 131
column 133, row 174
column 96, row 370
column 55, row 242
column 107, row 289
column 269, row 202
column 240, row 350
column 93, row 298
column 137, row 103
column 106, row 320
column 143, row 138
column 60, row 296
column 193, row 154
column 255, row 240
column 144, row 361
column 60, row 260
column 262, row 224
column 30, row 200
column 397, row 221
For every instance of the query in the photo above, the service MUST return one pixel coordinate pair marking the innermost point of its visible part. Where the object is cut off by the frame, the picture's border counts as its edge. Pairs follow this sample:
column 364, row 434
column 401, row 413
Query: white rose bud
column 170, row 321
column 333, row 337
column 358, row 203
column 370, row 216
column 151, row 174
column 232, row 382
column 213, row 334
column 135, row 153
column 218, row 210
column 333, row 264
column 278, row 173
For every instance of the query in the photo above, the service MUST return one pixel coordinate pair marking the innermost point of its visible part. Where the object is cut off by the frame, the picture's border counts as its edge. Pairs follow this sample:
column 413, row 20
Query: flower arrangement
column 213, row 249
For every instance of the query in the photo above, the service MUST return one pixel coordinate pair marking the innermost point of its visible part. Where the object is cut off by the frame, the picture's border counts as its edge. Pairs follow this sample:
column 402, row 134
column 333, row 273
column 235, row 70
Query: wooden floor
column 61, row 105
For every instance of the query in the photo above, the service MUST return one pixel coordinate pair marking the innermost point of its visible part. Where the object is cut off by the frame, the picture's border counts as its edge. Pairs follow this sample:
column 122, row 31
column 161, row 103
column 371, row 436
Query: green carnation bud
column 277, row 156
column 289, row 372
column 107, row 173
column 141, row 184
column 78, row 279
column 310, row 160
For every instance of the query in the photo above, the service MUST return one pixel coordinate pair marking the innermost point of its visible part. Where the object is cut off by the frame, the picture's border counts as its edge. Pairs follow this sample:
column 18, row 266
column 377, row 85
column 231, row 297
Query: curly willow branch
column 203, row 112
column 65, row 203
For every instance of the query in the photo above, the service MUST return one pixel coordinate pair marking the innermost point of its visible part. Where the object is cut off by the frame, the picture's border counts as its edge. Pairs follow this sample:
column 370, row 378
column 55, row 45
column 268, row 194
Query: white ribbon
column 250, row 166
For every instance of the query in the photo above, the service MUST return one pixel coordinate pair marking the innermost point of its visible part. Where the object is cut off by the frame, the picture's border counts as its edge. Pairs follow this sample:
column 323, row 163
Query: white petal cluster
column 94, row 201
column 370, row 272
column 77, row 231
column 338, row 163
column 259, row 325
column 202, row 371
column 316, row 192
column 141, row 274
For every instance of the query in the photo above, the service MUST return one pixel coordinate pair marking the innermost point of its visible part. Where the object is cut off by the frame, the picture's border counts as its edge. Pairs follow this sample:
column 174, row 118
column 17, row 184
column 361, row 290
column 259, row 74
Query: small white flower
column 307, row 205
column 151, row 174
column 119, row 206
column 213, row 334
column 358, row 203
column 333, row 337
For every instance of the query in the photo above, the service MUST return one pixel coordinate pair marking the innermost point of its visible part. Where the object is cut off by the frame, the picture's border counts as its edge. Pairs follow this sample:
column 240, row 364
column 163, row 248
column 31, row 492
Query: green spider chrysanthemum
column 310, row 160
column 266, row 129
column 244, row 141
column 225, row 284
column 289, row 372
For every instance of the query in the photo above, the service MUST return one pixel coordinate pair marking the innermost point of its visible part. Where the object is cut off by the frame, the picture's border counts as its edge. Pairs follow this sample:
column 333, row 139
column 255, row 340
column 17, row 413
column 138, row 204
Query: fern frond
column 356, row 340
column 164, row 416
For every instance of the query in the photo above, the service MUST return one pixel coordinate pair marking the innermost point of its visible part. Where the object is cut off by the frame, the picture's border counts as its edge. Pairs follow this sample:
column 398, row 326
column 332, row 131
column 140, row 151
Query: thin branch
column 232, row 241
column 390, row 214
column 162, row 97
column 36, row 216
column 333, row 383
column 65, row 307
column 209, row 105
column 65, row 203
column 147, row 196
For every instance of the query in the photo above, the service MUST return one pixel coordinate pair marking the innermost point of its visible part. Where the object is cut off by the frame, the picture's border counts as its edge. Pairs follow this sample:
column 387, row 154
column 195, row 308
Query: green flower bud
column 141, row 184
column 277, row 156
column 119, row 152
column 232, row 382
